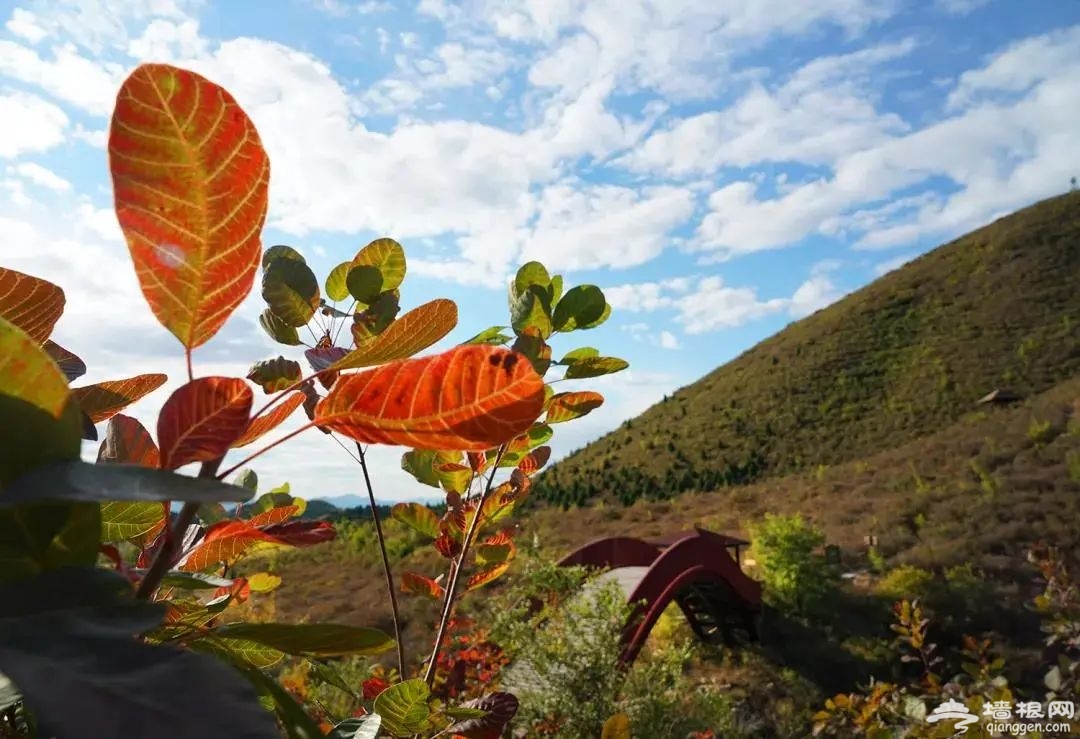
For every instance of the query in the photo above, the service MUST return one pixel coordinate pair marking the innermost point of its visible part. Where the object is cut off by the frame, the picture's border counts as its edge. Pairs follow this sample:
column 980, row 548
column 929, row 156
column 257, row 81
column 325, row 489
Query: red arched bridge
column 699, row 570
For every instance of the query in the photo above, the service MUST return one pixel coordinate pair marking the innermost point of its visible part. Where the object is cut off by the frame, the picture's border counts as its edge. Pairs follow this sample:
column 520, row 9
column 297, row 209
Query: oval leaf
column 595, row 367
column 336, row 285
column 224, row 542
column 132, row 521
column 30, row 303
column 281, row 251
column 413, row 332
column 418, row 517
column 469, row 398
column 190, row 180
column 420, row 585
column 387, row 256
column 279, row 330
column 72, row 367
column 364, row 283
column 498, row 709
column 274, row 375
column 128, row 442
column 291, row 290
column 202, row 419
column 568, row 406
column 41, row 421
column 486, row 575
column 581, row 307
column 404, row 707
column 616, row 727
column 311, row 640
column 535, row 459
column 103, row 400
column 267, row 422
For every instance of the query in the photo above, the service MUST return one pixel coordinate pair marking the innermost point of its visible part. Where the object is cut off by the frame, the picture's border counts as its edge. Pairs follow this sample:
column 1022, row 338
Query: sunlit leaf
column 418, row 517
column 454, row 477
column 420, row 464
column 531, row 274
column 278, row 329
column 281, row 251
column 534, row 460
column 291, row 290
column 337, row 288
column 420, row 585
column 128, row 442
column 595, row 367
column 531, row 309
column 202, row 419
column 103, row 400
column 190, row 180
column 238, row 651
column 42, row 422
column 404, row 707
column 413, row 332
column 498, row 710
column 134, row 521
column 521, row 445
column 582, row 306
column 568, row 406
column 583, row 353
column 468, row 398
column 311, row 640
column 493, row 336
column 72, row 367
column 275, row 375
column 31, row 304
column 264, row 582
column 478, row 461
column 616, row 727
column 388, row 257
column 224, row 542
column 270, row 420
column 274, row 516
column 494, row 554
column 486, row 576
column 248, row 479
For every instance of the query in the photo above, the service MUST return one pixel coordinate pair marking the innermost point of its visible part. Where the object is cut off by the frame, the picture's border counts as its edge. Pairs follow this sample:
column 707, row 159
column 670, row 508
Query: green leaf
column 493, row 336
column 211, row 513
column 278, row 329
column 556, row 289
column 362, row 727
column 293, row 718
column 365, row 283
column 247, row 479
column 531, row 309
column 239, row 652
column 36, row 537
column 387, row 256
column 595, row 367
column 420, row 464
column 130, row 521
column 529, row 274
column 584, row 352
column 493, row 554
column 418, row 517
column 194, row 581
column 42, row 423
column 66, row 641
column 376, row 318
column 291, row 290
column 404, row 707
column 100, row 483
column 582, row 306
column 280, row 251
column 311, row 640
column 328, row 674
column 337, row 288
column 275, row 375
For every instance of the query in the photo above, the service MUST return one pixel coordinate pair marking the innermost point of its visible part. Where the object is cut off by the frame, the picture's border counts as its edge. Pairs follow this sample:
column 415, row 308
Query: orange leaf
column 535, row 459
column 128, row 442
column 274, row 516
column 202, row 419
column 224, row 542
column 70, row 364
column 487, row 575
column 568, row 406
column 420, row 585
column 190, row 181
column 263, row 424
column 30, row 303
column 477, row 461
column 466, row 399
column 413, row 332
column 103, row 400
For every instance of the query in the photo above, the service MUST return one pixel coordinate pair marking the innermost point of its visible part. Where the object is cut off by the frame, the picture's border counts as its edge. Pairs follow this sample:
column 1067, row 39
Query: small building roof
column 999, row 395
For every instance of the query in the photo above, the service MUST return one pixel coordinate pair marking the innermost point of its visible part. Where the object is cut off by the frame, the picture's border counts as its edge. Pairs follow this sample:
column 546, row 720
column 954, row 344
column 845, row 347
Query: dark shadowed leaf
column 194, row 581
column 404, row 707
column 281, row 251
column 103, row 400
column 499, row 708
column 291, row 291
column 202, row 418
column 274, row 375
column 278, row 329
column 582, row 307
column 302, row 533
column 128, row 442
column 364, row 283
column 248, row 479
column 531, row 309
column 310, row 640
column 376, row 318
column 99, row 483
column 294, row 720
column 72, row 367
column 36, row 537
column 418, row 517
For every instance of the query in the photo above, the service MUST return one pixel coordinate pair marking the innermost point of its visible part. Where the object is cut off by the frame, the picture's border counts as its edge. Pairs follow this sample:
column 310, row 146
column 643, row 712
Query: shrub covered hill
column 901, row 358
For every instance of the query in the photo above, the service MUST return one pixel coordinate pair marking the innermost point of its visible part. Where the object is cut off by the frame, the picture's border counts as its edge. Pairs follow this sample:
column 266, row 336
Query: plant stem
column 173, row 537
column 455, row 574
column 386, row 563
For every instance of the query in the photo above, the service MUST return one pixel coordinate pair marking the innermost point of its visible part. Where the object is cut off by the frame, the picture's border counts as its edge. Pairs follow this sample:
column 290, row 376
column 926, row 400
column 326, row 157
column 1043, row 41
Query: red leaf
column 467, row 399
column 302, row 533
column 487, row 575
column 274, row 516
column 534, row 460
column 224, row 542
column 202, row 419
column 30, row 303
column 373, row 686
column 477, row 461
column 128, row 442
column 190, row 178
column 568, row 406
column 420, row 585
column 447, row 546
column 70, row 364
column 103, row 400
column 262, row 425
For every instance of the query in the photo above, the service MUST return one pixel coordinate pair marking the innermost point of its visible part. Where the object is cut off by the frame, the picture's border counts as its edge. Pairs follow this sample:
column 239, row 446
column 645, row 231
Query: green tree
column 785, row 548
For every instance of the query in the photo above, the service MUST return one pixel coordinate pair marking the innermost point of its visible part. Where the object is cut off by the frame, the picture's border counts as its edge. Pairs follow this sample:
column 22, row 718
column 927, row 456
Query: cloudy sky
column 719, row 167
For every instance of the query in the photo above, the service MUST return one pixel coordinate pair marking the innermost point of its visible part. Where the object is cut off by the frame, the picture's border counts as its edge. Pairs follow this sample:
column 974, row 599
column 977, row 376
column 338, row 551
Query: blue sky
column 719, row 167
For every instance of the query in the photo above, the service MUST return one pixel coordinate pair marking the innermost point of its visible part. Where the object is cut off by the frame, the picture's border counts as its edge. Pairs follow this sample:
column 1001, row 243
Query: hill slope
column 902, row 357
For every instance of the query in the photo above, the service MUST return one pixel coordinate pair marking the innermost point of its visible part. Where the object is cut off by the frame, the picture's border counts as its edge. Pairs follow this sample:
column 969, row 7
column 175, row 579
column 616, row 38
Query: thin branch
column 264, row 450
column 457, row 567
column 173, row 537
column 386, row 563
column 190, row 369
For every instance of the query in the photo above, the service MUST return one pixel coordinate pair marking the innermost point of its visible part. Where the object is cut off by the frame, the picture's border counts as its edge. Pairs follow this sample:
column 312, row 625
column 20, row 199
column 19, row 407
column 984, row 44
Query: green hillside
column 904, row 356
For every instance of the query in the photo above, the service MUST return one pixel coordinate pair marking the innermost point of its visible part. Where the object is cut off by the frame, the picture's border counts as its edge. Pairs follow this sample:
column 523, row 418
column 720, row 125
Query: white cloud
column 641, row 332
column 99, row 25
column 960, row 7
column 817, row 292
column 667, row 340
column 67, row 75
column 889, row 265
column 31, row 124
column 24, row 25
column 41, row 176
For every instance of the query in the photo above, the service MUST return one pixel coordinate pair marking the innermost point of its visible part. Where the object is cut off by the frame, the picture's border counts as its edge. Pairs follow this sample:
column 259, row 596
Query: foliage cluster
column 789, row 564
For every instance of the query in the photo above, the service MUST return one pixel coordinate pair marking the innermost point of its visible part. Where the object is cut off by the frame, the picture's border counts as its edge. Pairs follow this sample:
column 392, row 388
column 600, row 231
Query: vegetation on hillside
column 903, row 357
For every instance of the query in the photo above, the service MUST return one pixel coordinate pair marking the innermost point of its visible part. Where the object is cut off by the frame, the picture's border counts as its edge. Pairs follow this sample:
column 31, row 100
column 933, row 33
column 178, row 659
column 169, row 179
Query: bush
column 907, row 582
column 793, row 574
